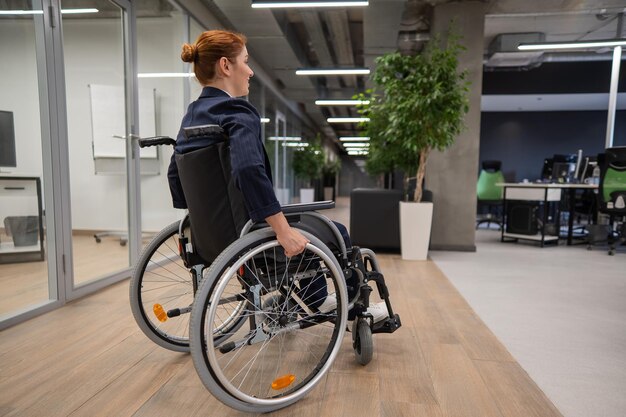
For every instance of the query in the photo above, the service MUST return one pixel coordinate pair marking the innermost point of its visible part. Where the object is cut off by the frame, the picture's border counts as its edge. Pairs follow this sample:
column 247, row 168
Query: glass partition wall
column 89, row 199
column 24, row 239
column 93, row 46
column 165, row 90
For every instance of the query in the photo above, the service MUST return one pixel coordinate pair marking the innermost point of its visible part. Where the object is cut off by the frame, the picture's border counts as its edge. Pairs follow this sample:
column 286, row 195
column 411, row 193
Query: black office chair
column 612, row 195
column 489, row 194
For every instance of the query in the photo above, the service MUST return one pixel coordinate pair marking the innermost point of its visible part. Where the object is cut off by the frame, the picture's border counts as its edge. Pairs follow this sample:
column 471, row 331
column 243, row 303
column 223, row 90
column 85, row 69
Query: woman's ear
column 224, row 66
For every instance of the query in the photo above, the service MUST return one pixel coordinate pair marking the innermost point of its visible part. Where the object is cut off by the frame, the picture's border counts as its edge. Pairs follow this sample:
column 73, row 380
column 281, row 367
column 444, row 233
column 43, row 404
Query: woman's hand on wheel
column 292, row 241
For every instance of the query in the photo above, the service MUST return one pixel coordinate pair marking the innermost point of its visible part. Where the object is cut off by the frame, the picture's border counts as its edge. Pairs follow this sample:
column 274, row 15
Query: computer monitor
column 587, row 166
column 564, row 167
column 563, row 171
column 7, row 140
column 546, row 170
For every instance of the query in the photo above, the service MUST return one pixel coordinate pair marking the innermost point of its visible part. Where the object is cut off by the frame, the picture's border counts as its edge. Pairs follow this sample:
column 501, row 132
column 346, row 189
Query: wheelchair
column 251, row 317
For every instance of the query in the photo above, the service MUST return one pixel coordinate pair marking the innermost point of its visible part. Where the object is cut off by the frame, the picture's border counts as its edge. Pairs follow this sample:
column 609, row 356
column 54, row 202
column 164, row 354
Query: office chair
column 612, row 194
column 489, row 194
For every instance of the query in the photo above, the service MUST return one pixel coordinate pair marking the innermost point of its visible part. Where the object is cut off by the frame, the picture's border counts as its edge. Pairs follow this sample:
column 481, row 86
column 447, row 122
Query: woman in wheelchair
column 289, row 273
column 220, row 60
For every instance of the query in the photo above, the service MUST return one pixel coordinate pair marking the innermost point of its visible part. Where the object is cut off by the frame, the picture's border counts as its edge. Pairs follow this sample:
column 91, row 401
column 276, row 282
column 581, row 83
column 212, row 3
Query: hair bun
column 189, row 53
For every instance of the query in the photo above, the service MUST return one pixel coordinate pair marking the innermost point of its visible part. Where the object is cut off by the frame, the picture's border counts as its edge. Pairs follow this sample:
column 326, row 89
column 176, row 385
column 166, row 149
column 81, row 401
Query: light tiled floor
column 560, row 311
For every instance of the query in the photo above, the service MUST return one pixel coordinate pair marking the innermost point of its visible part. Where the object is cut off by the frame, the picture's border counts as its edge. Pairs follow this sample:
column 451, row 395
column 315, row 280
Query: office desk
column 546, row 192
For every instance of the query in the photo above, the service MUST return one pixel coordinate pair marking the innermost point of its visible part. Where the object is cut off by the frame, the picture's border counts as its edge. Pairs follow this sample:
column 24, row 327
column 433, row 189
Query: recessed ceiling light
column 63, row 11
column 347, row 119
column 329, row 3
column 165, row 75
column 295, row 144
column 341, row 102
column 572, row 45
column 265, row 119
column 284, row 138
column 77, row 11
column 333, row 71
column 354, row 138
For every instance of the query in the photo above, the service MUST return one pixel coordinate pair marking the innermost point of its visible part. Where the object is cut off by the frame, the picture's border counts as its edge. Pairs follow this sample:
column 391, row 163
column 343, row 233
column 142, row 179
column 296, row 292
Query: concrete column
column 452, row 175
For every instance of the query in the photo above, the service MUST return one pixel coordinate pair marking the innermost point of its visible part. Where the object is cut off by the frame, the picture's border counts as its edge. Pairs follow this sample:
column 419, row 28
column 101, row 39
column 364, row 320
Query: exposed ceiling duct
column 414, row 29
column 503, row 50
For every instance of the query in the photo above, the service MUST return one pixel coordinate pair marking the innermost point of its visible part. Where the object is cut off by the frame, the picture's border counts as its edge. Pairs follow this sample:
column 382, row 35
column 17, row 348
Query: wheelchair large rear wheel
column 161, row 282
column 288, row 347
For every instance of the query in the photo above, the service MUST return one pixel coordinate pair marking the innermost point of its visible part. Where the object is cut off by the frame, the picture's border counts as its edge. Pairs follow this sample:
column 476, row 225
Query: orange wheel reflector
column 241, row 270
column 160, row 314
column 283, row 381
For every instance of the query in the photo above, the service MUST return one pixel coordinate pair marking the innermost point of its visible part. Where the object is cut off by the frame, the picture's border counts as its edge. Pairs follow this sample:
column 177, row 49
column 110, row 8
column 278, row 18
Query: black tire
column 160, row 277
column 247, row 372
column 362, row 341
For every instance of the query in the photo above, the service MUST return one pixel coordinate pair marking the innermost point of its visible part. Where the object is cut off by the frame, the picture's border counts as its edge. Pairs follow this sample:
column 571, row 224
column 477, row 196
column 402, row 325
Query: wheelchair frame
column 183, row 304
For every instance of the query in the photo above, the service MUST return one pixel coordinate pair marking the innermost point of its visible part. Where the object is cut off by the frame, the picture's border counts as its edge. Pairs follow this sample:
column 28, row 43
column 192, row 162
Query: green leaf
column 420, row 104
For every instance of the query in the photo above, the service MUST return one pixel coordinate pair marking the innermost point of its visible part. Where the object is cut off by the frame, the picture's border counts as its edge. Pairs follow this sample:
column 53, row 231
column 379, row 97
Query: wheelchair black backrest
column 216, row 206
column 217, row 210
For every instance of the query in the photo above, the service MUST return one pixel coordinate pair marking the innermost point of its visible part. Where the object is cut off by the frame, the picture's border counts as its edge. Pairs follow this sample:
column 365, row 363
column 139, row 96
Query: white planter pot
column 328, row 193
column 282, row 194
column 415, row 222
column 307, row 195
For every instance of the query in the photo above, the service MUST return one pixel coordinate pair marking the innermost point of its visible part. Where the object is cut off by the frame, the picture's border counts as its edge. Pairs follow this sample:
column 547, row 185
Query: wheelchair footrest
column 389, row 325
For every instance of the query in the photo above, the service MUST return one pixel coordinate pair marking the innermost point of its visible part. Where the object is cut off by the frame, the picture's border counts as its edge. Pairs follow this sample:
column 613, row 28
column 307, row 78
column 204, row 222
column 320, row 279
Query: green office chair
column 612, row 194
column 489, row 194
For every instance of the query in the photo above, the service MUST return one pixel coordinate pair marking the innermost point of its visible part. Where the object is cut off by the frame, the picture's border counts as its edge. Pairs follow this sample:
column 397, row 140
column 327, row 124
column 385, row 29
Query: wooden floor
column 26, row 283
column 90, row 359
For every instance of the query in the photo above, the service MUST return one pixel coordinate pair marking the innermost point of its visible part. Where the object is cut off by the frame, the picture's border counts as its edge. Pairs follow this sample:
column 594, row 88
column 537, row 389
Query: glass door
column 27, row 270
column 103, row 171
column 280, row 159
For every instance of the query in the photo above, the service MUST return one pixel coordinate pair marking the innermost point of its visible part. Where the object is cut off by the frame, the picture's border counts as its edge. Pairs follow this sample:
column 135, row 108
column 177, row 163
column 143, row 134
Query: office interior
column 78, row 89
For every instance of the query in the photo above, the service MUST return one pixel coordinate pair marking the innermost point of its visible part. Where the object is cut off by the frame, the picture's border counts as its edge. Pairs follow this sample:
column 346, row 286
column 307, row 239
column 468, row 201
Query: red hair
column 209, row 48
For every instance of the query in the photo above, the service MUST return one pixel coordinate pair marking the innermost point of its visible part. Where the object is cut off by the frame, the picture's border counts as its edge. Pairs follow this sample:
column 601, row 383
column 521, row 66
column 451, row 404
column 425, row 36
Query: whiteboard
column 108, row 122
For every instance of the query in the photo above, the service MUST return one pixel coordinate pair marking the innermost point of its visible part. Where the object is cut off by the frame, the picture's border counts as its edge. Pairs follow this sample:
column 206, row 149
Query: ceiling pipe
column 414, row 27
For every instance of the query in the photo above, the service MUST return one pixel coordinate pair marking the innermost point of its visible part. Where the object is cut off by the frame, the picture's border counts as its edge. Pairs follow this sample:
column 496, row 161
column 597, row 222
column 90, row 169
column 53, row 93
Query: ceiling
column 283, row 40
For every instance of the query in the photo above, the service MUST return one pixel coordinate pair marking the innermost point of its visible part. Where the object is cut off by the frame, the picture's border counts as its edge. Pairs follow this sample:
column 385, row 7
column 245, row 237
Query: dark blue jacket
column 250, row 165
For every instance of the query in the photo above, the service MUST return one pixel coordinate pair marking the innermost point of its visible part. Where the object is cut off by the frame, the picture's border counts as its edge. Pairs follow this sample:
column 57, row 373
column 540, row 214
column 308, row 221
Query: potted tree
column 418, row 106
column 331, row 169
column 308, row 161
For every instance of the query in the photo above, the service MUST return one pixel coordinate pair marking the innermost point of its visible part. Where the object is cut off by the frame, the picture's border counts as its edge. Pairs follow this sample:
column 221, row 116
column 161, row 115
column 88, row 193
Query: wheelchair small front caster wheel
column 362, row 341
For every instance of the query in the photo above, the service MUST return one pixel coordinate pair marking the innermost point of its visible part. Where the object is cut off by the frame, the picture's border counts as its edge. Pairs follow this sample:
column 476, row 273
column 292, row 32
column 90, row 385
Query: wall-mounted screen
column 7, row 140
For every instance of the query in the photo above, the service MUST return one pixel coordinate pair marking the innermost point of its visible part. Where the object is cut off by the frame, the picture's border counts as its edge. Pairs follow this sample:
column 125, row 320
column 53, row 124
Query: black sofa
column 375, row 218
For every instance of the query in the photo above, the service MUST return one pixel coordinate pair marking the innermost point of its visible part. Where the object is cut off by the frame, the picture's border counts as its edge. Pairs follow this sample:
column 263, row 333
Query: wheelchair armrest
column 290, row 210
column 302, row 207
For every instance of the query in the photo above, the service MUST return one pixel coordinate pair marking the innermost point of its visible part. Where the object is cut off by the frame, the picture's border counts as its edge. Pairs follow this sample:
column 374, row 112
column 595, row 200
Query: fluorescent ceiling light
column 341, row 102
column 29, row 12
column 265, row 119
column 356, row 145
column 284, row 4
column 77, row 11
column 353, row 138
column 295, row 144
column 284, row 138
column 572, row 45
column 347, row 119
column 18, row 12
column 333, row 71
column 357, row 152
column 165, row 75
